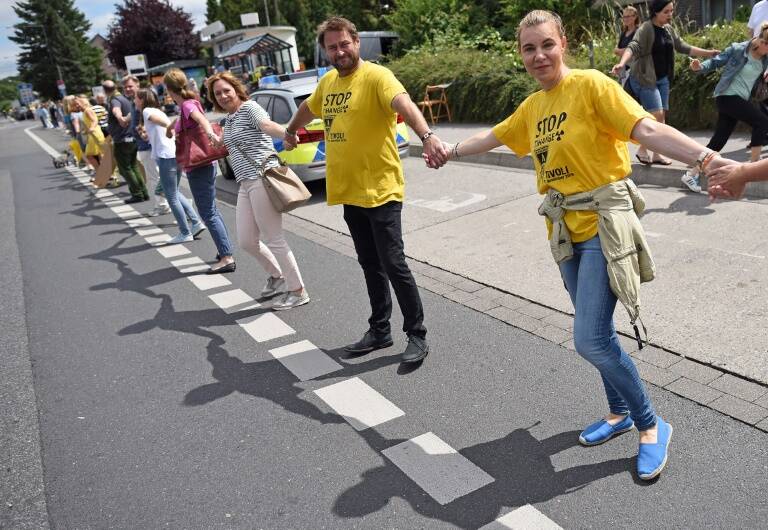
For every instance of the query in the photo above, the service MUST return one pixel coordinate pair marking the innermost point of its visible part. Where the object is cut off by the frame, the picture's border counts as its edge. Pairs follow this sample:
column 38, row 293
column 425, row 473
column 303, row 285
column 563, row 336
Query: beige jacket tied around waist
column 619, row 206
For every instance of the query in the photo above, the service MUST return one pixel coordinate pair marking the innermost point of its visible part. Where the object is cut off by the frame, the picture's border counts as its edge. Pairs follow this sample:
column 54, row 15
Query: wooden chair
column 435, row 103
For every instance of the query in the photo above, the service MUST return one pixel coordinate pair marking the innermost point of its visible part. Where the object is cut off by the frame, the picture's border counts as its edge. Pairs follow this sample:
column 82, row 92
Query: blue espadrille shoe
column 602, row 431
column 651, row 458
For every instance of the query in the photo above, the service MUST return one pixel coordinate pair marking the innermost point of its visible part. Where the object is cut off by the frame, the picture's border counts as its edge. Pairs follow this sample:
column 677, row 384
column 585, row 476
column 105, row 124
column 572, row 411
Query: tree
column 51, row 34
column 212, row 9
column 157, row 29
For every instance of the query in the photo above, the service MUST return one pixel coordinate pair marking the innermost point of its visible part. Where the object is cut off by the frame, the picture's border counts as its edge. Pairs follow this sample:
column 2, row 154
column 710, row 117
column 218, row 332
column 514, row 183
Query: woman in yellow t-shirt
column 576, row 127
column 92, row 132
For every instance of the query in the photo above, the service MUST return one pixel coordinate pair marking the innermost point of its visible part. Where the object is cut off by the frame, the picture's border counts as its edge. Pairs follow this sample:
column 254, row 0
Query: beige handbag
column 285, row 189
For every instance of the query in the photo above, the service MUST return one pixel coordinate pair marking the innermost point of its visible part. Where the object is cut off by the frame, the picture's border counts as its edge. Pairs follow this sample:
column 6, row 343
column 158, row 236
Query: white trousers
column 260, row 233
column 153, row 176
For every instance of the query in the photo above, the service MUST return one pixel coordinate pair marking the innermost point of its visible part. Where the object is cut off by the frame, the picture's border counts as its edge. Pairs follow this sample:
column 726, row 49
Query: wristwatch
column 426, row 135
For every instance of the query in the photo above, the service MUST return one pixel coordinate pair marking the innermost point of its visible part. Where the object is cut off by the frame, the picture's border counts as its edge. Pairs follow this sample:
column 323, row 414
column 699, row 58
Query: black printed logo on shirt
column 335, row 104
column 550, row 130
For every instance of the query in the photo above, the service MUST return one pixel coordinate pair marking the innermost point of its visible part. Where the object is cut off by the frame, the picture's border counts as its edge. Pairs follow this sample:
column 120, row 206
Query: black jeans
column 378, row 237
column 730, row 111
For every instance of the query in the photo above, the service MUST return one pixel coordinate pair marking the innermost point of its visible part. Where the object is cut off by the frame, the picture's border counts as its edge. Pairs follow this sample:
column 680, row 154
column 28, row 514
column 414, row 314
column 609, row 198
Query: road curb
column 655, row 175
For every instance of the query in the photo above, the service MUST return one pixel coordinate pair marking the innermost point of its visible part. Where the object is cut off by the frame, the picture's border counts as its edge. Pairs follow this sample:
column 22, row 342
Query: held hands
column 290, row 140
column 169, row 131
column 435, row 153
column 725, row 179
column 695, row 65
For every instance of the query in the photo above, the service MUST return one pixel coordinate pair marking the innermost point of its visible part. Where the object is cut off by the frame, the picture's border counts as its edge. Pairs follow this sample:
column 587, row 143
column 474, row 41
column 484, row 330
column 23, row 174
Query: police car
column 280, row 97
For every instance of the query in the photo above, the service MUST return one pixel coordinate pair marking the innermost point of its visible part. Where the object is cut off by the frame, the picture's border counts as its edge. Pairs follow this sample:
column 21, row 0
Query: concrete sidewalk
column 668, row 176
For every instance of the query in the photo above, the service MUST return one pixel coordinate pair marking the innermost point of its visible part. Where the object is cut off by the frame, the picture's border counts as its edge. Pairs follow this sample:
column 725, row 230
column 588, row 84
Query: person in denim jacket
column 744, row 65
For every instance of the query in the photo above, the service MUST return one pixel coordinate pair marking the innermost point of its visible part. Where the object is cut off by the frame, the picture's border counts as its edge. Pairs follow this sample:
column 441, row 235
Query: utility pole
column 266, row 12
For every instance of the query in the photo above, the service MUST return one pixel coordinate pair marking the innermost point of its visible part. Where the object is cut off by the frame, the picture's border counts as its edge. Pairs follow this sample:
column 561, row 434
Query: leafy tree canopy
column 52, row 33
column 157, row 29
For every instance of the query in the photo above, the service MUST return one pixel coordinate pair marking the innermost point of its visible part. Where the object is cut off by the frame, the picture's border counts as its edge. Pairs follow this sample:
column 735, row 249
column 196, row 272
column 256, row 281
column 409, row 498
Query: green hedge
column 487, row 86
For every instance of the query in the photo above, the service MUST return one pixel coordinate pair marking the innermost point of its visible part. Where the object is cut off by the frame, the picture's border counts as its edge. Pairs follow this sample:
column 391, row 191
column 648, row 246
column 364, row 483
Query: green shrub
column 489, row 83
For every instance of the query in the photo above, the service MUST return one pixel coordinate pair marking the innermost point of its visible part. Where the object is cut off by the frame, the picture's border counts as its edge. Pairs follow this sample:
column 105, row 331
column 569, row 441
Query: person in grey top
column 246, row 133
column 119, row 125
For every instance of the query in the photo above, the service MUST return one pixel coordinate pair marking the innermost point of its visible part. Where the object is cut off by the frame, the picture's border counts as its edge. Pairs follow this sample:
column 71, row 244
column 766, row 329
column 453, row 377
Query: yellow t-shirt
column 362, row 163
column 577, row 132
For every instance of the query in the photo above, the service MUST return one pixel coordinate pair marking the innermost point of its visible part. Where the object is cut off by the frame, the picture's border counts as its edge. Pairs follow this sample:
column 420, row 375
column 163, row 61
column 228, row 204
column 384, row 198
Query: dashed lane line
column 431, row 463
column 437, row 467
column 359, row 404
column 305, row 360
column 524, row 518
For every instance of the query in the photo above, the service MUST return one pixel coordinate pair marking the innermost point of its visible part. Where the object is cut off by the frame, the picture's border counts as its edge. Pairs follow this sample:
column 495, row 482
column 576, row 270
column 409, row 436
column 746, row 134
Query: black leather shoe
column 133, row 200
column 229, row 267
column 416, row 350
column 370, row 342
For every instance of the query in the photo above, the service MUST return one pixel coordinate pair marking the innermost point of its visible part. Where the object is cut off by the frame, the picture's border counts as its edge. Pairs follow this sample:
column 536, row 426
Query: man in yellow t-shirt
column 359, row 102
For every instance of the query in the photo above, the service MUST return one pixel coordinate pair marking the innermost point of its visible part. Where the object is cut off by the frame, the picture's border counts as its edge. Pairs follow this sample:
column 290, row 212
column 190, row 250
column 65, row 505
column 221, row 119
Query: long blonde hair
column 176, row 81
column 762, row 35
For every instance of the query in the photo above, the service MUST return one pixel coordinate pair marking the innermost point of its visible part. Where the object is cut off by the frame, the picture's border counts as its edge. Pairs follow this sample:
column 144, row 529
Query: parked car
column 281, row 103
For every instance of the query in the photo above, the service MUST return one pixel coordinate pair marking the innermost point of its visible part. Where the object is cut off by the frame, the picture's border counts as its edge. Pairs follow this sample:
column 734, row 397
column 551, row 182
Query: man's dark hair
column 336, row 24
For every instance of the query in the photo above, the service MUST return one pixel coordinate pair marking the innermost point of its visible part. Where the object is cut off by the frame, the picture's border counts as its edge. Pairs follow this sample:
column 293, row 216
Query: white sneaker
column 290, row 300
column 159, row 210
column 691, row 180
column 180, row 238
column 273, row 286
column 197, row 229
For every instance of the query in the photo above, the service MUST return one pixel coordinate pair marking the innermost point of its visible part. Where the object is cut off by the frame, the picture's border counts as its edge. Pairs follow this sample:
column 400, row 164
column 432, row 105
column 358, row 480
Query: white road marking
column 228, row 299
column 158, row 239
column 305, row 360
column 524, row 518
column 114, row 202
column 208, row 281
column 359, row 404
column 187, row 261
column 173, row 251
column 143, row 232
column 448, row 204
column 104, row 193
column 47, row 148
column 123, row 208
column 195, row 268
column 140, row 221
column 266, row 327
column 437, row 467
column 130, row 215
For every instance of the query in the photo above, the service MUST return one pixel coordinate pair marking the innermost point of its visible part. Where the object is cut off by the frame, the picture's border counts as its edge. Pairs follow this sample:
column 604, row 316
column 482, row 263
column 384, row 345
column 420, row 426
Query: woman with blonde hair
column 90, row 128
column 630, row 21
column 202, row 180
column 247, row 132
column 578, row 126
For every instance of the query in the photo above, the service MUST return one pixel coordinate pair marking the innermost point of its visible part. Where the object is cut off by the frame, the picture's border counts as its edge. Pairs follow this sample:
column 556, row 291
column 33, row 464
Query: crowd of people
column 576, row 127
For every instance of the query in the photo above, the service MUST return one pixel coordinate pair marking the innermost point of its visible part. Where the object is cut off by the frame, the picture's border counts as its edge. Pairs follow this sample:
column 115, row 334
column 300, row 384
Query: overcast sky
column 98, row 12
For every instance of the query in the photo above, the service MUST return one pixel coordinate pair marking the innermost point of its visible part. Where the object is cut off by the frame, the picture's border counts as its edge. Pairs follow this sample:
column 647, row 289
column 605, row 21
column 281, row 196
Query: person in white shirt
column 155, row 121
column 758, row 16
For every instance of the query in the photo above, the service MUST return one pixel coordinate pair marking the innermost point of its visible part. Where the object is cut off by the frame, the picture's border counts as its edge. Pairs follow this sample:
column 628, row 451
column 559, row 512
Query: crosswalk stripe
column 305, row 360
column 123, row 208
column 186, row 261
column 228, row 299
column 524, row 518
column 141, row 221
column 437, row 467
column 173, row 251
column 266, row 327
column 208, row 281
column 158, row 239
column 143, row 232
column 359, row 404
column 195, row 268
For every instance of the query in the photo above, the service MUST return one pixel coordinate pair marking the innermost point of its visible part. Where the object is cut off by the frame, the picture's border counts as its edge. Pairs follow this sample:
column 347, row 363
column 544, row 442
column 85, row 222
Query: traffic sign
column 26, row 96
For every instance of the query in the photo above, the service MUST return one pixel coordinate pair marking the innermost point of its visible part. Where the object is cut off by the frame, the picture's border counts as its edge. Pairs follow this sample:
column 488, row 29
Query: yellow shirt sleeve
column 616, row 109
column 513, row 132
column 388, row 87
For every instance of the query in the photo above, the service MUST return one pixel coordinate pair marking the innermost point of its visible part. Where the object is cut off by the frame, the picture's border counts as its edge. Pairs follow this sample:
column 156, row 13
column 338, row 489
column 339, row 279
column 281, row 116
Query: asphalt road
column 158, row 408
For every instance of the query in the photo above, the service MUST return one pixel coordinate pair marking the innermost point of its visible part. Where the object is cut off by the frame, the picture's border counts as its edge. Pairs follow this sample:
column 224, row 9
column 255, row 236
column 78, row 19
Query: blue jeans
column 202, row 183
column 655, row 98
column 180, row 205
column 586, row 278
